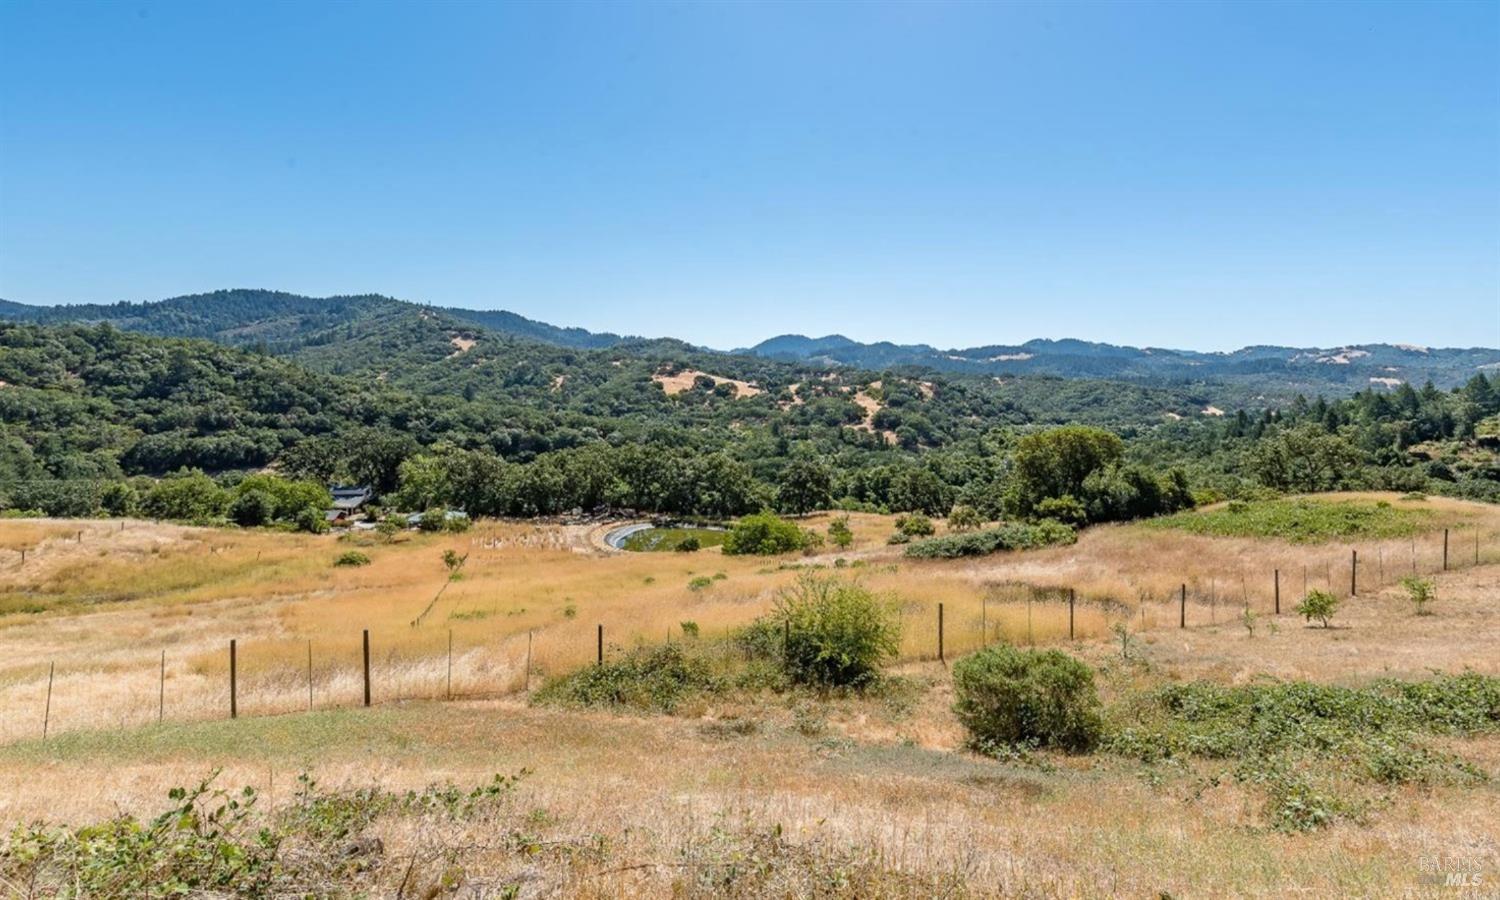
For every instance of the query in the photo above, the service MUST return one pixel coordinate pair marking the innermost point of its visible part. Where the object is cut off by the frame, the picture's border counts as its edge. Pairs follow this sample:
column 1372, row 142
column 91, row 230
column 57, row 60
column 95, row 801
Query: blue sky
column 1192, row 174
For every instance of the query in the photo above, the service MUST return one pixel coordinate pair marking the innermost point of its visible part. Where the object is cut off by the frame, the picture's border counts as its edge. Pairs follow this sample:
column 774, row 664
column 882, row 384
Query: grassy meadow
column 852, row 795
column 131, row 598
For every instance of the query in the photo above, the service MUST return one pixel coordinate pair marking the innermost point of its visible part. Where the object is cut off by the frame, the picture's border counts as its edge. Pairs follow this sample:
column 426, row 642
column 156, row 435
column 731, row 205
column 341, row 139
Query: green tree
column 805, row 485
column 1320, row 605
column 1055, row 463
column 189, row 495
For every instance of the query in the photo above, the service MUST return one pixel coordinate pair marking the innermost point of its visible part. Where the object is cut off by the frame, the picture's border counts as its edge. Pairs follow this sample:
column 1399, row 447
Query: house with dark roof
column 348, row 502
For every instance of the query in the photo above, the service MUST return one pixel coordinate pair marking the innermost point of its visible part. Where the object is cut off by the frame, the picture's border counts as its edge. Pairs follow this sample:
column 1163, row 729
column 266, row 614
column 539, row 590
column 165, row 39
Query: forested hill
column 274, row 318
column 1279, row 371
column 1263, row 375
column 429, row 411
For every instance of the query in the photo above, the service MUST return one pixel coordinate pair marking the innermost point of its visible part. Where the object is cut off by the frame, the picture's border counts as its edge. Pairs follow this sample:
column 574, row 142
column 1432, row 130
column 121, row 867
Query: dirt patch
column 461, row 345
column 683, row 381
column 871, row 406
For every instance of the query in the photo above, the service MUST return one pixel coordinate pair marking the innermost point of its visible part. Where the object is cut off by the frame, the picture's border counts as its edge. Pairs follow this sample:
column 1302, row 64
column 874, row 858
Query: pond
column 653, row 538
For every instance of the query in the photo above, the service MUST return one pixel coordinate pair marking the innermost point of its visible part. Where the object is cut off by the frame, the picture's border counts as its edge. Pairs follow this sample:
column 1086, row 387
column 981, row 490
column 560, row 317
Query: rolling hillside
column 1251, row 376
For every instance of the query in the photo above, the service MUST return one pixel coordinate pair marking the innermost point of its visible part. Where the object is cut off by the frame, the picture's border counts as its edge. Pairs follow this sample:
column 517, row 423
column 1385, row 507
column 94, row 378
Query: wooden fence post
column 940, row 632
column 234, row 705
column 1445, row 549
column 1182, row 609
column 1354, row 573
column 47, row 712
column 599, row 655
column 367, row 665
column 1071, row 597
column 1276, row 579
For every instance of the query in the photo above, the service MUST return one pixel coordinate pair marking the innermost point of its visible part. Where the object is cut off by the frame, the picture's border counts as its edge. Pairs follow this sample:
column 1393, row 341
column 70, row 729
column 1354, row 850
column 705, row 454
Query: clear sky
column 1194, row 175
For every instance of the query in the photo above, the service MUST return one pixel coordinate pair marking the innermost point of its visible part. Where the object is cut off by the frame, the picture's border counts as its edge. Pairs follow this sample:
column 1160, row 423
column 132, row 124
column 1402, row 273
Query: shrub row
column 1015, row 536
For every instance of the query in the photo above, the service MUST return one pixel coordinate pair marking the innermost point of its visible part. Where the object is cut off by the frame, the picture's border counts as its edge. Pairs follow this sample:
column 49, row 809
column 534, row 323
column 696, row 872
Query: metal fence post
column 367, row 666
column 234, row 707
column 940, row 632
column 47, row 712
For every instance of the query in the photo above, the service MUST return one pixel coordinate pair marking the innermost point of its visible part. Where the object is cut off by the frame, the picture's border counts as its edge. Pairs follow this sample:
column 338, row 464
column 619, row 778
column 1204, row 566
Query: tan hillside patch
column 683, row 381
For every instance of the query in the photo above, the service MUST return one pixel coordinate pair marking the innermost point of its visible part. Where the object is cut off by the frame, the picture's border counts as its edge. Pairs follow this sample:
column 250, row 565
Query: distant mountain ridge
column 1355, row 365
column 283, row 321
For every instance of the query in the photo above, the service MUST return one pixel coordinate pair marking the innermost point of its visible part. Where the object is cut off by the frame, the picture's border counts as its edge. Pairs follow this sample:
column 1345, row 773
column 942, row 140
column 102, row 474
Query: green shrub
column 457, row 523
column 1420, row 591
column 689, row 544
column 252, row 508
column 763, row 534
column 840, row 534
column 915, row 525
column 1015, row 536
column 1305, row 744
column 1009, row 697
column 964, row 518
column 648, row 678
column 837, row 633
column 352, row 558
column 700, row 582
column 1063, row 509
column 311, row 521
column 1320, row 605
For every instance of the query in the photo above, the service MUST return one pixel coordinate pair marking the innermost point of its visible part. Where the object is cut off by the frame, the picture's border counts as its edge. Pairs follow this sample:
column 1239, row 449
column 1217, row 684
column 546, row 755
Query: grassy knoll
column 1304, row 521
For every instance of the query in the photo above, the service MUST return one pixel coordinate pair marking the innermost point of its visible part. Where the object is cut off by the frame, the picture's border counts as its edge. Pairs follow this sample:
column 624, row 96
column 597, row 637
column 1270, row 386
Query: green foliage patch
column 1301, row 521
column 834, row 632
column 1305, row 744
column 1008, row 697
column 654, row 679
column 213, row 842
column 764, row 534
column 1014, row 536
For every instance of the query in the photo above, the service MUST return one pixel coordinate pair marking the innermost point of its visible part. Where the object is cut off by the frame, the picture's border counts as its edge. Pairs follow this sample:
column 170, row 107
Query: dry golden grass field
column 846, row 795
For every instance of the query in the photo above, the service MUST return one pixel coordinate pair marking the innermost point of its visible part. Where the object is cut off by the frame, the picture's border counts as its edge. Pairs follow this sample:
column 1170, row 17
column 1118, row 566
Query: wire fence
column 361, row 668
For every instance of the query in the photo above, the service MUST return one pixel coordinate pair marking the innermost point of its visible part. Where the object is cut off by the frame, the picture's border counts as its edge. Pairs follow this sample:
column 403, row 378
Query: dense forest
column 434, row 411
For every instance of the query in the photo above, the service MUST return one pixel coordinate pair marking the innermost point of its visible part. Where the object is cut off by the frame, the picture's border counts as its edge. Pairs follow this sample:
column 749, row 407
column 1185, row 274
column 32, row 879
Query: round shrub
column 351, row 558
column 835, row 633
column 1042, row 698
column 763, row 534
column 252, row 508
